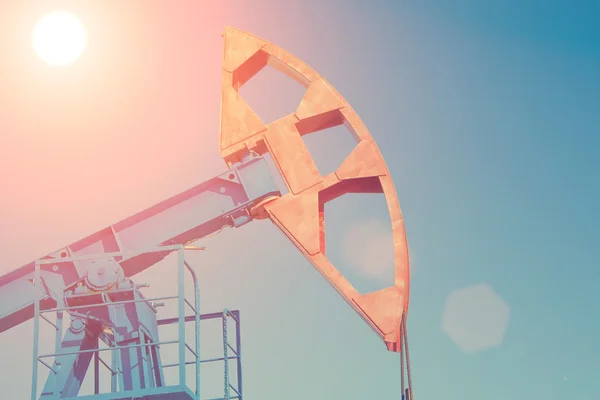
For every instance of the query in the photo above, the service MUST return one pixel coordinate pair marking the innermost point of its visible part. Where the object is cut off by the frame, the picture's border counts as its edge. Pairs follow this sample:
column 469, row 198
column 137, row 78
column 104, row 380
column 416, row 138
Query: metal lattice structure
column 105, row 305
column 127, row 322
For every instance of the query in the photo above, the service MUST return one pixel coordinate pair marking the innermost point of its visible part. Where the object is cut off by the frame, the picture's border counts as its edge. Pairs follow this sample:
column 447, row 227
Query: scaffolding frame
column 175, row 392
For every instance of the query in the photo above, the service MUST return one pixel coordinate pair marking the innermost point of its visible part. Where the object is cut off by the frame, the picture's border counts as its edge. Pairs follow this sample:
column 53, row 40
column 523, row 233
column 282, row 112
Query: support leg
column 70, row 364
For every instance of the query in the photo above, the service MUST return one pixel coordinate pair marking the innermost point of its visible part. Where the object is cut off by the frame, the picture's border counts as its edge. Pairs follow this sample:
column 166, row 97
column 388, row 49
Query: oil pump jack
column 92, row 281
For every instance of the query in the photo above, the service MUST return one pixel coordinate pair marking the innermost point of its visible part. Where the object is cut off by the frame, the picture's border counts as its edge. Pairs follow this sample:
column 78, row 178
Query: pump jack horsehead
column 300, row 213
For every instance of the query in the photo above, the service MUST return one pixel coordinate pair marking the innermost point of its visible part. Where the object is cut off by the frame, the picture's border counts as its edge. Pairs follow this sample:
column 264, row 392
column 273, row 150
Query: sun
column 59, row 38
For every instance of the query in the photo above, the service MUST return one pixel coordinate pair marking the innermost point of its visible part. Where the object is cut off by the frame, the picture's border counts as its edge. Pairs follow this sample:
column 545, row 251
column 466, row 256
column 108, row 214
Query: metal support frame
column 237, row 351
column 237, row 355
column 158, row 389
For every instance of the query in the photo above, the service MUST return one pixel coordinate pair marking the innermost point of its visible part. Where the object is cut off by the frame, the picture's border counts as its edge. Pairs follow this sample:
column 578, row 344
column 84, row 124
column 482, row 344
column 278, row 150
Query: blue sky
column 487, row 114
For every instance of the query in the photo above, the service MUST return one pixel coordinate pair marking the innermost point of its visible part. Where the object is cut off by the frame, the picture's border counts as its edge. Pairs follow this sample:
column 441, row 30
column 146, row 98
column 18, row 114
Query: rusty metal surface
column 300, row 213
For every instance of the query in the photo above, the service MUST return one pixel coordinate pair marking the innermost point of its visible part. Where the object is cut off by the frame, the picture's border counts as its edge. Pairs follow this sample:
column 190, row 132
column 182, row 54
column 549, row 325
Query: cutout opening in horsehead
column 358, row 234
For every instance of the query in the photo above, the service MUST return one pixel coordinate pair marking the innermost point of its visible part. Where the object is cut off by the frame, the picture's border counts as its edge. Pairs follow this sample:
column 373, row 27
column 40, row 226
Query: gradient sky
column 487, row 114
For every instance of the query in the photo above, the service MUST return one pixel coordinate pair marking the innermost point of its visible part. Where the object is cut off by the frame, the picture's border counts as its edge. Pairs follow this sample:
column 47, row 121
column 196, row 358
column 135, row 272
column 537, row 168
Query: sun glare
column 59, row 38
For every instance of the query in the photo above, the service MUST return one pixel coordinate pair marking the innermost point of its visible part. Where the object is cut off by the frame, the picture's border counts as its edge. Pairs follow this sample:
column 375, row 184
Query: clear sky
column 487, row 114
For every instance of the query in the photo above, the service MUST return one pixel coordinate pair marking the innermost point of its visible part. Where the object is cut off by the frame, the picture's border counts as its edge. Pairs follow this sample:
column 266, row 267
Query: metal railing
column 115, row 370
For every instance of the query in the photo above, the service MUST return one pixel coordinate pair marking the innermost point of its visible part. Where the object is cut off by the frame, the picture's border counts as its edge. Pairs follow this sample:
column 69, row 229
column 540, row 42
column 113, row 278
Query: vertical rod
column 119, row 369
column 197, row 337
column 226, row 394
column 409, row 389
column 59, row 325
column 36, row 331
column 97, row 368
column 402, row 360
column 117, row 382
column 196, row 325
column 143, row 359
column 238, row 348
column 114, row 377
column 181, row 313
column 58, row 337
